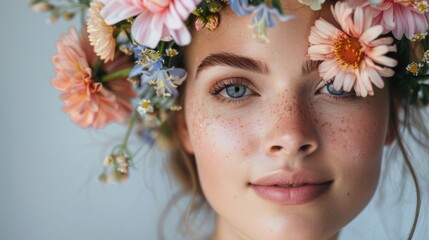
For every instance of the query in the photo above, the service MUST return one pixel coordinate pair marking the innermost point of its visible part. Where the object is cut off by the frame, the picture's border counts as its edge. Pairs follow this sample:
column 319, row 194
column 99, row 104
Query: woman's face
column 278, row 155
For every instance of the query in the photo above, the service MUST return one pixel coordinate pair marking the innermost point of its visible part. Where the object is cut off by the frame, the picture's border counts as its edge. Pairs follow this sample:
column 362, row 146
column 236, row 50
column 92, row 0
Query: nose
column 291, row 132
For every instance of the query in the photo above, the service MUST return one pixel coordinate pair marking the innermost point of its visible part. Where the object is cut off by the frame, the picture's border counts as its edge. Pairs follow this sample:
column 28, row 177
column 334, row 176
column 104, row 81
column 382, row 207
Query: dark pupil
column 236, row 91
column 331, row 90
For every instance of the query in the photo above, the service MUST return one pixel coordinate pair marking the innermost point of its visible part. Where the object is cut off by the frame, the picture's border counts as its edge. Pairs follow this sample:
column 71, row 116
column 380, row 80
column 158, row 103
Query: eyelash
column 223, row 84
column 346, row 96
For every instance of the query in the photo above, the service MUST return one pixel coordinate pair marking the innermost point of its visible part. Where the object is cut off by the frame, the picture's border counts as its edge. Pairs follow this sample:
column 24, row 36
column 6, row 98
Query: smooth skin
column 242, row 124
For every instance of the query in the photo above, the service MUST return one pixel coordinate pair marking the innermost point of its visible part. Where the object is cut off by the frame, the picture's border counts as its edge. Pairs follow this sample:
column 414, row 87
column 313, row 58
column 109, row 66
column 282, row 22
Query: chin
column 294, row 229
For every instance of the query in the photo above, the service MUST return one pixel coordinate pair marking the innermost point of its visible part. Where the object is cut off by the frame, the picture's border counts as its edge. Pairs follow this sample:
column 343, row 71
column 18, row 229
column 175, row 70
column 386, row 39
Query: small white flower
column 145, row 107
column 315, row 5
column 421, row 6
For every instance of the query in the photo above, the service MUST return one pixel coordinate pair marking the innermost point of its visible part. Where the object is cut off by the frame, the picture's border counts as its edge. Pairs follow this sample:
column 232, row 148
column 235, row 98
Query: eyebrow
column 309, row 66
column 232, row 60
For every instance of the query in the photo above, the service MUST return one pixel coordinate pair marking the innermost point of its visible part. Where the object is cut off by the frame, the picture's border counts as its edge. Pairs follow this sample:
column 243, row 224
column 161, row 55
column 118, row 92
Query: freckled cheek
column 355, row 141
column 222, row 150
column 217, row 137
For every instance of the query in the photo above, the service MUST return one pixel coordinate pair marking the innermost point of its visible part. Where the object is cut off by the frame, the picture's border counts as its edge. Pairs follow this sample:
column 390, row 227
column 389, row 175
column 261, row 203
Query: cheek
column 223, row 145
column 353, row 143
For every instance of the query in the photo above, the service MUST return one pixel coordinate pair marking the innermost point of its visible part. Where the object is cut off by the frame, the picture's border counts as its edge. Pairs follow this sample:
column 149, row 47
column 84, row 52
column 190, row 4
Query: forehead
column 288, row 41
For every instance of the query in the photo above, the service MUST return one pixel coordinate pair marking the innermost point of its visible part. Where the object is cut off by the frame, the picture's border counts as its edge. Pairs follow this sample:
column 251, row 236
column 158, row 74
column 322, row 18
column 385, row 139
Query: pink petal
column 320, row 49
column 378, row 51
column 330, row 72
column 181, row 36
column 375, row 78
column 314, row 38
column 358, row 20
column 388, row 20
column 339, row 79
column 362, row 90
column 184, row 8
column 399, row 29
column 116, row 11
column 386, row 61
column 317, row 57
column 421, row 23
column 147, row 29
column 381, row 41
column 172, row 19
column 410, row 28
column 349, row 81
column 325, row 28
column 366, row 83
column 370, row 34
column 341, row 12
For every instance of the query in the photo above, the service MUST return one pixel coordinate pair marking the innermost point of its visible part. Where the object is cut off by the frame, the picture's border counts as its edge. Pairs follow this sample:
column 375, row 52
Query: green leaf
column 278, row 5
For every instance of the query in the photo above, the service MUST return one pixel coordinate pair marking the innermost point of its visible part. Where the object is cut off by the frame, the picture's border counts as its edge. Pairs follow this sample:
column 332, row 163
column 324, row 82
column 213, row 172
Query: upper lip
column 295, row 178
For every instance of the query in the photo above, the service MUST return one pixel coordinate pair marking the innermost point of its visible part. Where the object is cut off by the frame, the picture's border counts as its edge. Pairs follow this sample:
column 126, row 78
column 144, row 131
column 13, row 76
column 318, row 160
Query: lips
column 286, row 188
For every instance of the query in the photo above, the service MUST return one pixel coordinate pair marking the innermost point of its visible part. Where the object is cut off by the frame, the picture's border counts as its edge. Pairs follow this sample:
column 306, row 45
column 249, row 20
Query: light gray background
column 49, row 166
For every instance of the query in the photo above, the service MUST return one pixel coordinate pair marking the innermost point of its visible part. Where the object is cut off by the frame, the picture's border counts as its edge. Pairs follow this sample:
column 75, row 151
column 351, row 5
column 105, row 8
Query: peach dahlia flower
column 89, row 102
column 100, row 34
column 353, row 57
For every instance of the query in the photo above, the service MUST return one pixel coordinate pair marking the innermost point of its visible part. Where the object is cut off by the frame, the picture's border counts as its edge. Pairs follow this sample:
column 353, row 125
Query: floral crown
column 123, row 64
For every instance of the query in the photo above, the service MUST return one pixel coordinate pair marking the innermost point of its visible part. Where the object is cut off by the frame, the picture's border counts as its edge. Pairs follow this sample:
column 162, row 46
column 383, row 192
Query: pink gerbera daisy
column 402, row 17
column 156, row 19
column 352, row 57
column 90, row 103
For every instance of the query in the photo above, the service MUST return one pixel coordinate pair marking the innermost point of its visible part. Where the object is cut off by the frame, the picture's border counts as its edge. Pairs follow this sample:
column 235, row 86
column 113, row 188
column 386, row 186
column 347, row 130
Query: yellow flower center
column 348, row 51
column 146, row 104
column 413, row 68
column 421, row 6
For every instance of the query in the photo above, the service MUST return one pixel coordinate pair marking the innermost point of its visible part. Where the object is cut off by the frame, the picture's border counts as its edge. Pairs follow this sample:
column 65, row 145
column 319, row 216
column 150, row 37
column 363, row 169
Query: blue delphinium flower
column 147, row 60
column 263, row 16
column 165, row 81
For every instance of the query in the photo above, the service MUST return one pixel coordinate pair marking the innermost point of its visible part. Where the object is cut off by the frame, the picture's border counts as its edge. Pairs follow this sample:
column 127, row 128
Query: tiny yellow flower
column 148, row 56
column 122, row 162
column 171, row 52
column 418, row 36
column 108, row 161
column 145, row 107
column 41, row 7
column 421, row 6
column 426, row 56
column 414, row 68
column 68, row 16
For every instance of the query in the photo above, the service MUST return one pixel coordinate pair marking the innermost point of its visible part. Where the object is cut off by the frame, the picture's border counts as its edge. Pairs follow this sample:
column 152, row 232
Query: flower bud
column 41, row 7
column 53, row 18
column 200, row 23
column 68, row 16
column 212, row 22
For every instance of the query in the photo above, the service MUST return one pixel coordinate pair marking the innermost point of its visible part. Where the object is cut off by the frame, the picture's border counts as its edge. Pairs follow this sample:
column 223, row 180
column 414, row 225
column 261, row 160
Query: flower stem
column 131, row 123
column 122, row 73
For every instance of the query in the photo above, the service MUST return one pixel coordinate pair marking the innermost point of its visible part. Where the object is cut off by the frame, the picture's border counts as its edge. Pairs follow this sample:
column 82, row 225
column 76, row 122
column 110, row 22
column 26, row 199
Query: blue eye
column 329, row 89
column 233, row 89
column 236, row 91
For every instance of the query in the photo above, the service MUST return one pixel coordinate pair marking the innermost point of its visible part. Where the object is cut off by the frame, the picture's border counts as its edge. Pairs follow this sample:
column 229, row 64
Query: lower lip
column 291, row 195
